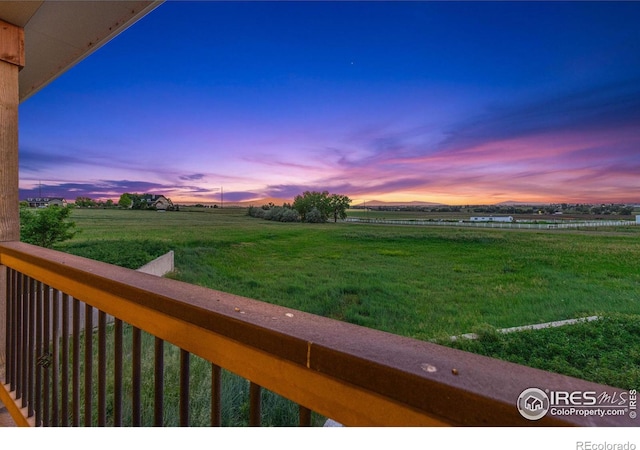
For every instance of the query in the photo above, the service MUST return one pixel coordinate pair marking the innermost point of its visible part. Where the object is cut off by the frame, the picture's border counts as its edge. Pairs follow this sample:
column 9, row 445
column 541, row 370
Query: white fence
column 517, row 225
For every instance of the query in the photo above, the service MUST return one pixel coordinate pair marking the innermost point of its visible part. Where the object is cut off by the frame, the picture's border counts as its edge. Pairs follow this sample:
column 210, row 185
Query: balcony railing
column 62, row 313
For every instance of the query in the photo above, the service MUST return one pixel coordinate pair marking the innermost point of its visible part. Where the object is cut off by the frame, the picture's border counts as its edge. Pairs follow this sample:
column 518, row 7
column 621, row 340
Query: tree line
column 126, row 201
column 309, row 207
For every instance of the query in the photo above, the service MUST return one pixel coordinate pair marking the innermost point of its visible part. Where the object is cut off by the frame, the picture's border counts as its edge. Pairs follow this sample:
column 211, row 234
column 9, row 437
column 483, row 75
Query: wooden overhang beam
column 11, row 61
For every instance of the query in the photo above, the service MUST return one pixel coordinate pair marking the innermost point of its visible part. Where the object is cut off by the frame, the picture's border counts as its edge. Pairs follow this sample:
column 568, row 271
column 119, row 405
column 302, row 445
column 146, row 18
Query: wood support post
column 11, row 61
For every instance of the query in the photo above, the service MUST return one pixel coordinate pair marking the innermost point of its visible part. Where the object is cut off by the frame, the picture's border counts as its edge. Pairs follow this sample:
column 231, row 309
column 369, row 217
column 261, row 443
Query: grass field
column 414, row 281
column 423, row 282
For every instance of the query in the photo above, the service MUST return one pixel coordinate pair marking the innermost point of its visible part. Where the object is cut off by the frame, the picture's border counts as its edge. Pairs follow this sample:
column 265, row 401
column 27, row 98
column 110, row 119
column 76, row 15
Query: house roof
column 58, row 34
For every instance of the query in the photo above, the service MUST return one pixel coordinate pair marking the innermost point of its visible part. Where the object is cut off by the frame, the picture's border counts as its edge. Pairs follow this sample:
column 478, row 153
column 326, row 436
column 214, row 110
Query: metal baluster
column 75, row 381
column 55, row 359
column 117, row 371
column 137, row 377
column 25, row 342
column 102, row 369
column 65, row 362
column 216, row 389
column 184, row 388
column 305, row 416
column 10, row 292
column 254, row 404
column 17, row 337
column 39, row 323
column 158, row 414
column 31, row 359
column 88, row 364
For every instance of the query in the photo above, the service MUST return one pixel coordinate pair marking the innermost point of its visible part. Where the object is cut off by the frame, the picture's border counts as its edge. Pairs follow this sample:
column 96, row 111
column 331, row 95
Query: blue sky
column 446, row 102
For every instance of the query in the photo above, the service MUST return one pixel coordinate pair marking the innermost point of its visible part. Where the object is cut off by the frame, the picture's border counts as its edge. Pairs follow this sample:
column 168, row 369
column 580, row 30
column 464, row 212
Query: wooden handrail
column 354, row 375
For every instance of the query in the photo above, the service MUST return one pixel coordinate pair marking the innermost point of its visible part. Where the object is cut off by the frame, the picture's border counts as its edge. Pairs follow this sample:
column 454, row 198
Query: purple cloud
column 192, row 177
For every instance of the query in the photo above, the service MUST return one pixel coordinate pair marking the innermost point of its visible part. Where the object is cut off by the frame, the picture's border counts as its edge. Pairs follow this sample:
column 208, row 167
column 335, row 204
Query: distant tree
column 108, row 203
column 338, row 205
column 315, row 216
column 125, row 201
column 323, row 205
column 309, row 200
column 47, row 226
column 85, row 202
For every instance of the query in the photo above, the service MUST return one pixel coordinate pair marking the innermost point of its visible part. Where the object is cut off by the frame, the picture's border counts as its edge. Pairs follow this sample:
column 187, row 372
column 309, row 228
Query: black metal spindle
column 10, row 318
column 17, row 337
column 158, row 410
column 45, row 292
column 117, row 371
column 137, row 378
column 102, row 369
column 38, row 322
column 25, row 342
column 64, row 408
column 305, row 416
column 55, row 358
column 216, row 400
column 254, row 404
column 31, row 359
column 8, row 368
column 75, row 370
column 184, row 388
column 88, row 364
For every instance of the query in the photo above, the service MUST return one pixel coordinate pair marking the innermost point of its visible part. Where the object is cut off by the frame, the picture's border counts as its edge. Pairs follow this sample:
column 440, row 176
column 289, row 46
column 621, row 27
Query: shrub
column 289, row 215
column 46, row 227
column 275, row 213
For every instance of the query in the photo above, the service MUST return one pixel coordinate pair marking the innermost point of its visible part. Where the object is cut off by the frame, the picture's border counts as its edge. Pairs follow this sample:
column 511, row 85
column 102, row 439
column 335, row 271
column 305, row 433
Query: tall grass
column 419, row 282
column 606, row 351
column 276, row 410
column 422, row 282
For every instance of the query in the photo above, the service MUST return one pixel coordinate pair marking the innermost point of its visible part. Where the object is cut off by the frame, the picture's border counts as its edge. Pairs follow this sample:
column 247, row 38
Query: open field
column 418, row 282
column 425, row 282
column 468, row 213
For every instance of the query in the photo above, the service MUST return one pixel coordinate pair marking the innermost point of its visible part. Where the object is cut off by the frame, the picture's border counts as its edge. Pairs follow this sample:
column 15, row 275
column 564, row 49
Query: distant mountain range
column 517, row 203
column 380, row 203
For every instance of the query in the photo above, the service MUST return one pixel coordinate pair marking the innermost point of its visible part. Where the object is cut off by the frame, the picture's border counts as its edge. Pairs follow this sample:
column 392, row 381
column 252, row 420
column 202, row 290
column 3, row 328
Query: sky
column 454, row 103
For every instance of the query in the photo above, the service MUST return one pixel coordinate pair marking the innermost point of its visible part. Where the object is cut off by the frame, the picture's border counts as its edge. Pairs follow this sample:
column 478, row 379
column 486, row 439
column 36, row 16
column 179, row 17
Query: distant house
column 44, row 202
column 159, row 202
column 492, row 219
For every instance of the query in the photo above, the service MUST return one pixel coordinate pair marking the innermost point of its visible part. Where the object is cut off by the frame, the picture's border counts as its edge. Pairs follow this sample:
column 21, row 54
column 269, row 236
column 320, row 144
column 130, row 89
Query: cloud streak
column 425, row 114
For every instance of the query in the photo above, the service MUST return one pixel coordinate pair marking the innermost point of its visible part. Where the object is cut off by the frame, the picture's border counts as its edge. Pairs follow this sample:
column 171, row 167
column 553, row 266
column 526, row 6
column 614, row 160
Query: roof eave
column 59, row 34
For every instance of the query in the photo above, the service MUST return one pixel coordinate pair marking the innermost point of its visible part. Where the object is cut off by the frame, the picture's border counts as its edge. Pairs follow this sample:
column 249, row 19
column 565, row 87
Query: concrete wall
column 159, row 266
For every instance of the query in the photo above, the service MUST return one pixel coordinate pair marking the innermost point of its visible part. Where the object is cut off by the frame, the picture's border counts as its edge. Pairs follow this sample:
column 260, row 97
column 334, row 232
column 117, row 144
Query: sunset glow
column 446, row 102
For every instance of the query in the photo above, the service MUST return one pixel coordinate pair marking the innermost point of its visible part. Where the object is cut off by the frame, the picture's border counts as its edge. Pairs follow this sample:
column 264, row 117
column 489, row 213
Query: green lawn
column 424, row 282
column 421, row 282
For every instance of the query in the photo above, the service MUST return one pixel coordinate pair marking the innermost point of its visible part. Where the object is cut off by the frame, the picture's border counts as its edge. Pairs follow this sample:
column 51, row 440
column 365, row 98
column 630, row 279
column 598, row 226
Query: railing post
column 11, row 60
